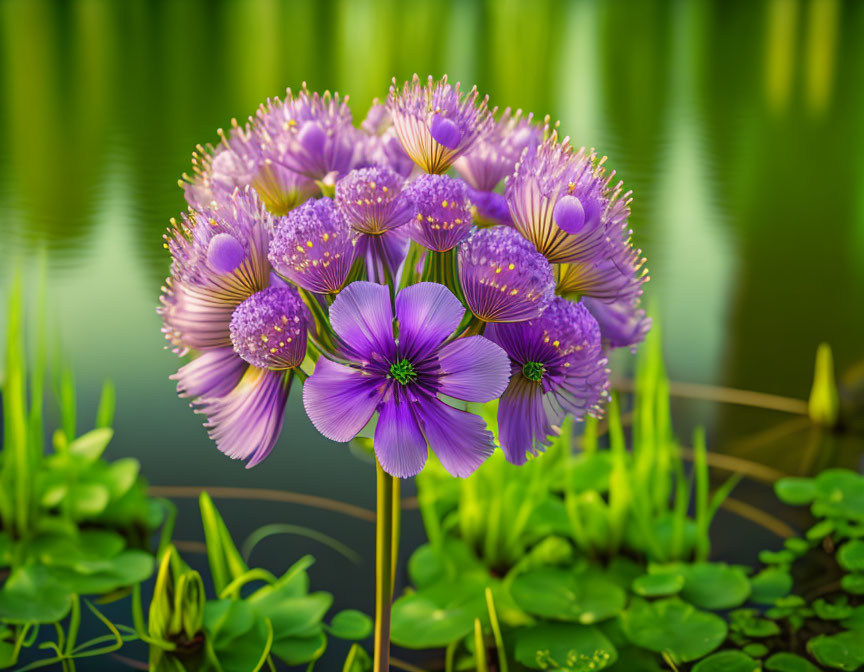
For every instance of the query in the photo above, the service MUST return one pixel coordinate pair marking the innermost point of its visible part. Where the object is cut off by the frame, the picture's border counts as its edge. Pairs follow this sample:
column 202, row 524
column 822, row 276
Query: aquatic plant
column 376, row 291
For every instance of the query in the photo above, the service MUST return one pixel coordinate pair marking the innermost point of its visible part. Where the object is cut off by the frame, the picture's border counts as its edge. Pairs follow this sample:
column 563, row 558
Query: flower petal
column 399, row 444
column 473, row 369
column 340, row 400
column 427, row 313
column 213, row 374
column 522, row 419
column 362, row 317
column 246, row 422
column 459, row 439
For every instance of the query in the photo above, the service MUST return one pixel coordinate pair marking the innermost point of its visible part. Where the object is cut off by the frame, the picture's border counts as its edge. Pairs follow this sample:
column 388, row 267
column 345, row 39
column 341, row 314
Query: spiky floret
column 268, row 329
column 307, row 133
column 503, row 277
column 314, row 247
column 373, row 200
column 443, row 218
column 218, row 259
column 436, row 122
column 495, row 155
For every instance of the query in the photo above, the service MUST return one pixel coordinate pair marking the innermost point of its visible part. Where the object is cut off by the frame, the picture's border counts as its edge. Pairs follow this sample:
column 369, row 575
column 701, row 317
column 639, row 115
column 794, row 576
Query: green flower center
column 533, row 371
column 403, row 371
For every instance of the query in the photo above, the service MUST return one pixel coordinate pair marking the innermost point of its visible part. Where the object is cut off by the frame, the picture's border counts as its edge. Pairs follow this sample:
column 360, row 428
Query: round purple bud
column 569, row 214
column 503, row 276
column 268, row 329
column 443, row 218
column 225, row 253
column 445, row 132
column 373, row 201
column 314, row 246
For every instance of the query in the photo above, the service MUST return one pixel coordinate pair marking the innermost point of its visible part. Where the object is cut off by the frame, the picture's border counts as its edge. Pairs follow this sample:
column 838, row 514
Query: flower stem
column 384, row 567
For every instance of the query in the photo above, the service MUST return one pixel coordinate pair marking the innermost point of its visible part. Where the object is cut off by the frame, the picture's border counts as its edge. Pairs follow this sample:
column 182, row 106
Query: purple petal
column 362, row 317
column 427, row 313
column 225, row 253
column 213, row 374
column 474, row 369
column 246, row 422
column 522, row 421
column 399, row 444
column 340, row 400
column 445, row 132
column 312, row 137
column 569, row 214
column 459, row 439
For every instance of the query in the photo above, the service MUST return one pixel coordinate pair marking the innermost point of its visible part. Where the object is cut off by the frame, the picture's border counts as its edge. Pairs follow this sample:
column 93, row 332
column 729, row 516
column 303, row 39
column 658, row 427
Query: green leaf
column 586, row 596
column 351, row 624
column 439, row 614
column 856, row 620
column 832, row 611
column 851, row 556
column 844, row 651
column 299, row 650
column 122, row 475
column 563, row 646
column 295, row 616
column 714, row 585
column 430, row 564
column 591, row 472
column 853, row 584
column 358, row 660
column 770, row 584
column 820, row 530
column 796, row 491
column 32, row 595
column 226, row 620
column 673, row 627
column 91, row 445
column 660, row 584
column 727, row 661
column 749, row 624
column 88, row 499
column 783, row 557
column 789, row 662
column 755, row 650
column 841, row 495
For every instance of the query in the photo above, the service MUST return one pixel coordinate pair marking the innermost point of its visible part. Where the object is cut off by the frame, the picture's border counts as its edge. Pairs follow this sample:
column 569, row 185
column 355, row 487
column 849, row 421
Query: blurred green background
column 739, row 125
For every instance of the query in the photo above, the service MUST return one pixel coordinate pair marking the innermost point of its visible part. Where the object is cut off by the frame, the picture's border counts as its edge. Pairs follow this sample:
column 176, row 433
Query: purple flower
column 558, row 370
column 443, row 217
column 314, row 247
column 398, row 369
column 617, row 274
column 237, row 162
column 308, row 133
column 623, row 324
column 380, row 146
column 503, row 277
column 490, row 208
column 218, row 259
column 437, row 123
column 268, row 329
column 373, row 201
column 494, row 156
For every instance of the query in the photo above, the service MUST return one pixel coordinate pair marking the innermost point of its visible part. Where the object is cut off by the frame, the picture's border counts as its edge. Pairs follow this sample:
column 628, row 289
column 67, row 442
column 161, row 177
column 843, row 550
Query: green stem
column 384, row 554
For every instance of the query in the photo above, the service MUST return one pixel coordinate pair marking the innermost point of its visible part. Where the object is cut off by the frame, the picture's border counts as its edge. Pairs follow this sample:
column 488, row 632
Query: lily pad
column 714, row 585
column 430, row 564
column 351, row 624
column 853, row 584
column 32, row 595
column 796, row 491
column 832, row 611
column 841, row 495
column 674, row 627
column 789, row 662
column 660, row 584
column 585, row 596
column 563, row 646
column 439, row 614
column 770, row 584
column 843, row 651
column 851, row 556
column 727, row 661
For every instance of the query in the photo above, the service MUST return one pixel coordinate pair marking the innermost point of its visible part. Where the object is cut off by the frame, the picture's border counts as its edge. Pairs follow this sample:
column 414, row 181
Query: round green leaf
column 784, row 557
column 856, row 620
column 714, row 585
column 796, row 491
column 841, row 495
column 563, row 646
column 727, row 661
column 658, row 585
column 770, row 584
column 586, row 596
column 294, row 616
column 832, row 611
column 853, row 584
column 299, row 650
column 851, row 556
column 91, row 445
column 674, row 627
column 789, row 662
column 88, row 499
column 351, row 624
column 32, row 595
column 755, row 650
column 844, row 651
column 439, row 614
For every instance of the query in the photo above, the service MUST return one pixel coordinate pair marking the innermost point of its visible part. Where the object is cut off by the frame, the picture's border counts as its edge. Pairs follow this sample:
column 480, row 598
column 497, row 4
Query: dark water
column 738, row 125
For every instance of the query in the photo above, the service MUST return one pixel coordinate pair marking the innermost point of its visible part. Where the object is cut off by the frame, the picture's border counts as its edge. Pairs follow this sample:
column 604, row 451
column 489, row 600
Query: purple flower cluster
column 311, row 240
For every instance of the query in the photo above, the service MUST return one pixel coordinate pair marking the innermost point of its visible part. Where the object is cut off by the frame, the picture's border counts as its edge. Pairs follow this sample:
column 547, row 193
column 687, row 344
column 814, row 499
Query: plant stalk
column 384, row 565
